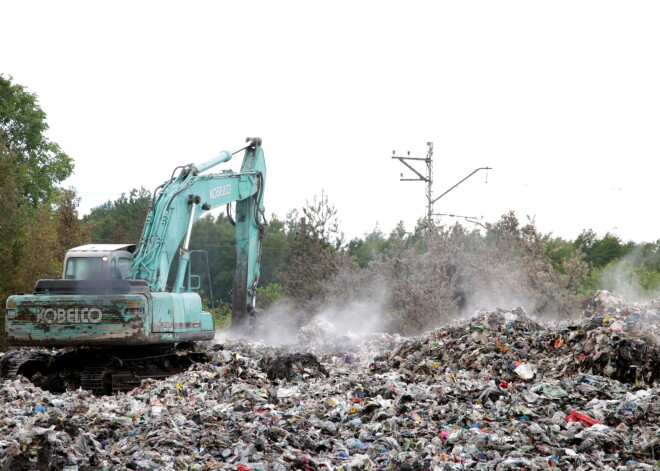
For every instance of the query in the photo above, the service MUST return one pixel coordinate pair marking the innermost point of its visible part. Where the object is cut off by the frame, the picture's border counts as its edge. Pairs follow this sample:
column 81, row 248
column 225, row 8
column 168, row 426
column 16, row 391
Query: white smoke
column 627, row 278
column 362, row 313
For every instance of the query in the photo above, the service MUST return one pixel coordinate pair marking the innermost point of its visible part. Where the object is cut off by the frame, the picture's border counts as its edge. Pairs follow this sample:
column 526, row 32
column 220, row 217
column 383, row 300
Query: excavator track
column 13, row 365
column 98, row 371
column 93, row 378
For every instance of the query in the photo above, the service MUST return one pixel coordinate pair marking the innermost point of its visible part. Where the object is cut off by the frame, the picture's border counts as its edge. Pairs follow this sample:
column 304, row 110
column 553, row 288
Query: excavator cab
column 98, row 262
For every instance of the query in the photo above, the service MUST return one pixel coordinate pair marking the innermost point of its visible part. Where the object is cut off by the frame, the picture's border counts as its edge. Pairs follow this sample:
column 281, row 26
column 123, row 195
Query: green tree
column 40, row 254
column 268, row 294
column 367, row 249
column 274, row 252
column 315, row 256
column 635, row 276
column 312, row 262
column 31, row 167
column 13, row 221
column 649, row 254
column 599, row 252
column 71, row 230
column 23, row 126
column 217, row 238
column 122, row 220
column 321, row 218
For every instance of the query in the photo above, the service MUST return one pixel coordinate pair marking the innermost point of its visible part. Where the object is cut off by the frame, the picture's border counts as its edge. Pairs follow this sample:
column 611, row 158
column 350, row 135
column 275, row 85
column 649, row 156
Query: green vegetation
column 39, row 219
column 23, row 129
column 221, row 315
column 120, row 221
column 269, row 294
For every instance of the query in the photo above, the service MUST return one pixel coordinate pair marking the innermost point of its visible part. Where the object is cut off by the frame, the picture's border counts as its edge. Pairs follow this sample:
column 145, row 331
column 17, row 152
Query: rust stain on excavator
column 85, row 320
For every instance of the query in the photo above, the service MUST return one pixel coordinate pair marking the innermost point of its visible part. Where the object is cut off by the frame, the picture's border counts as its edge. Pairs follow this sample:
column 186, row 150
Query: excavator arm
column 186, row 196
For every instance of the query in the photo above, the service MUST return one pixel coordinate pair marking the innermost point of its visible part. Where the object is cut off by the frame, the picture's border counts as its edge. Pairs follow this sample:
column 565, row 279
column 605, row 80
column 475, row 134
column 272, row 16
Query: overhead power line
column 428, row 179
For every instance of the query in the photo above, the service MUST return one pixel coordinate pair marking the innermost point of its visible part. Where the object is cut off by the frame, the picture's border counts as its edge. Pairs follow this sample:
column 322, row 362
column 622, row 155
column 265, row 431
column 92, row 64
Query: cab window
column 124, row 265
column 84, row 268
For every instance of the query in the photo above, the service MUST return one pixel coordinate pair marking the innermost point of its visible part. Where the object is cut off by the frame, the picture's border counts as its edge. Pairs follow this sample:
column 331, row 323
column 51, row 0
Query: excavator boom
column 182, row 200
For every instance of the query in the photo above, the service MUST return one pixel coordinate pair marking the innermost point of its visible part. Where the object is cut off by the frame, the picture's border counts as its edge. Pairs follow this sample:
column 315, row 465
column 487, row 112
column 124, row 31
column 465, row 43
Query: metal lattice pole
column 422, row 178
column 429, row 186
column 430, row 201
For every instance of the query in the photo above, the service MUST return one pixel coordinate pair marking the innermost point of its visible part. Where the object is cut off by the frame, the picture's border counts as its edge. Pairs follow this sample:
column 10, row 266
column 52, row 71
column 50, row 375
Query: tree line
column 415, row 279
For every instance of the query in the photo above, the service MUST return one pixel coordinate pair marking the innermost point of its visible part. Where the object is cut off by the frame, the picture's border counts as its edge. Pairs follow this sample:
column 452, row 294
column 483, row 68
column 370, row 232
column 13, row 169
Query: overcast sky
column 561, row 99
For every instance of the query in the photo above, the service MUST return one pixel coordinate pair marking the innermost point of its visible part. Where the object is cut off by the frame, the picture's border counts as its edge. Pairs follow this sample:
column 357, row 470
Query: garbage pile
column 497, row 391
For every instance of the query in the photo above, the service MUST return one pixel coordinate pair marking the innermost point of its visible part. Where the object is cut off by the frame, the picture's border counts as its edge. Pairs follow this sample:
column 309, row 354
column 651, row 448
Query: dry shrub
column 455, row 271
column 521, row 269
column 314, row 266
column 420, row 282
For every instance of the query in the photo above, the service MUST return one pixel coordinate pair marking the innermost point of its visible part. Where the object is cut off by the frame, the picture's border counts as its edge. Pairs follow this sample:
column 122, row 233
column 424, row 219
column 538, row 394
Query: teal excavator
column 114, row 310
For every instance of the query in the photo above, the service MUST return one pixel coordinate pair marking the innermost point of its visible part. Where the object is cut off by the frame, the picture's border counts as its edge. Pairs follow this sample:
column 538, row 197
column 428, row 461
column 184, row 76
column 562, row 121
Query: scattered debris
column 293, row 366
column 497, row 391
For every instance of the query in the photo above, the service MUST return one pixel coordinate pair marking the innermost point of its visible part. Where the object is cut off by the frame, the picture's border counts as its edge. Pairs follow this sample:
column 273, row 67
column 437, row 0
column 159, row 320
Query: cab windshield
column 84, row 268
